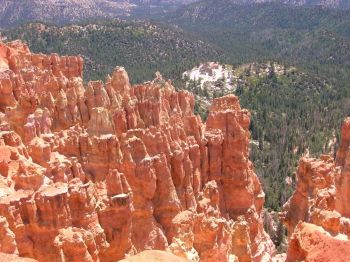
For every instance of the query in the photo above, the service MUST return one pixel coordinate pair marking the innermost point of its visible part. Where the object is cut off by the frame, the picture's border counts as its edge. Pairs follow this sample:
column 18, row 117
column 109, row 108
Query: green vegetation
column 264, row 32
column 291, row 114
column 141, row 47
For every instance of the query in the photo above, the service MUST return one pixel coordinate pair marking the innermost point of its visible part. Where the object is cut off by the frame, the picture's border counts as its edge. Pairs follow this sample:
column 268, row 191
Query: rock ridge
column 317, row 216
column 105, row 171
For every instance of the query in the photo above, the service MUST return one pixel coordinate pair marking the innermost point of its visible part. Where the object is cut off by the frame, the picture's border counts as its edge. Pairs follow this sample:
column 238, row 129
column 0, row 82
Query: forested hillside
column 294, row 112
column 141, row 47
column 255, row 32
column 15, row 13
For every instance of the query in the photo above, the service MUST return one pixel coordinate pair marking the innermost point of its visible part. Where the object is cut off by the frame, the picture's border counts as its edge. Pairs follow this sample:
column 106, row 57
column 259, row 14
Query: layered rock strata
column 317, row 216
column 105, row 171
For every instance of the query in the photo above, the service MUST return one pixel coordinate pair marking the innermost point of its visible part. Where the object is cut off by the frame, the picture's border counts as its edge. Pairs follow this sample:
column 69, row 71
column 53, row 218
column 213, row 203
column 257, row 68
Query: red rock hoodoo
column 106, row 171
column 317, row 216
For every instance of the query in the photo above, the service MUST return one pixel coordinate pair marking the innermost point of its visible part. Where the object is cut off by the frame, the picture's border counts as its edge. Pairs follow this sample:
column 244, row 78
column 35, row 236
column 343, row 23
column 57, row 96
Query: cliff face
column 102, row 172
column 317, row 215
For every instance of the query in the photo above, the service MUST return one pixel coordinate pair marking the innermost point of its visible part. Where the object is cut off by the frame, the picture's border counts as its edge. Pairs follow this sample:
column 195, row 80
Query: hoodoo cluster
column 105, row 171
column 108, row 171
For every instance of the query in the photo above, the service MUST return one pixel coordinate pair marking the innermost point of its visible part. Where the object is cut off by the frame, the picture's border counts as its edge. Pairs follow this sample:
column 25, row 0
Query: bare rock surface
column 106, row 171
column 317, row 216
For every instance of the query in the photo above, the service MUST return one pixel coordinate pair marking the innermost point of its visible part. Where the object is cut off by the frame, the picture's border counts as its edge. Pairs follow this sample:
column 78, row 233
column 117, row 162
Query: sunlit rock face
column 105, row 171
column 317, row 216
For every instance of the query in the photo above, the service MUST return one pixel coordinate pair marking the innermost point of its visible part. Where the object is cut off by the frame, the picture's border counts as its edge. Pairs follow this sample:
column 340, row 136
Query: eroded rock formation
column 317, row 216
column 106, row 171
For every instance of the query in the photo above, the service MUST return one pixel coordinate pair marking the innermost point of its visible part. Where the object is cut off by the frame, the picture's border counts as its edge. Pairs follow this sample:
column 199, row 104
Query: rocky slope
column 105, row 171
column 317, row 216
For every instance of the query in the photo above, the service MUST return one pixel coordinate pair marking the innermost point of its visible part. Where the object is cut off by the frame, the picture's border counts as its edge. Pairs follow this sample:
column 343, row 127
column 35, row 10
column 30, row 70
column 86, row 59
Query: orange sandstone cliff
column 105, row 171
column 317, row 216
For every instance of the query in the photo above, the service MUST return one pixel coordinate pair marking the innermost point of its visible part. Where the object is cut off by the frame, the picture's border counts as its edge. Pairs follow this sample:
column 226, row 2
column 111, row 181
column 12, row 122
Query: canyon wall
column 317, row 216
column 105, row 171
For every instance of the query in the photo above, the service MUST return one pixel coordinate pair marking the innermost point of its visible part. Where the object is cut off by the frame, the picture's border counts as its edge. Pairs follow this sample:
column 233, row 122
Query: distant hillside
column 141, row 47
column 15, row 12
column 59, row 11
column 270, row 31
column 322, row 3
